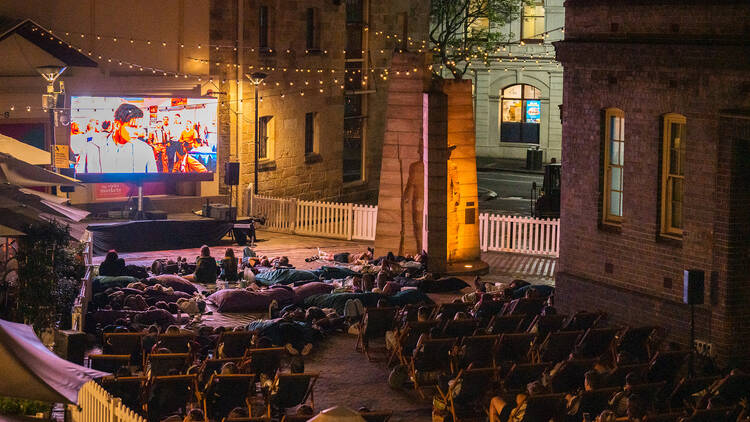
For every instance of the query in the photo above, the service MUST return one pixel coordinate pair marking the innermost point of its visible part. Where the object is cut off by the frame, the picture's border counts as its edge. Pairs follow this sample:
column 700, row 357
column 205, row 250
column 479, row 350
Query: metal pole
column 139, row 216
column 257, row 143
column 691, row 367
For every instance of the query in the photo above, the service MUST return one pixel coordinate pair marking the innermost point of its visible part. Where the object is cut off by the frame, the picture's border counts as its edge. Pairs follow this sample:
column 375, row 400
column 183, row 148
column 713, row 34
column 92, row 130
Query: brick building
column 656, row 162
column 322, row 109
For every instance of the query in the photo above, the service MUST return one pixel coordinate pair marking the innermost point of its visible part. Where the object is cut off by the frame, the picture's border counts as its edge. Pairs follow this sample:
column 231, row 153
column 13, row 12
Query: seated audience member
column 195, row 415
column 296, row 336
column 206, row 270
column 591, row 382
column 606, row 416
column 619, row 402
column 238, row 412
column 229, row 266
column 112, row 265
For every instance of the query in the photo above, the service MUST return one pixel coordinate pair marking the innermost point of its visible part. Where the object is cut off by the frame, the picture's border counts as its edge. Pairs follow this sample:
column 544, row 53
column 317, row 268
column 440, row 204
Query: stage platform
column 185, row 231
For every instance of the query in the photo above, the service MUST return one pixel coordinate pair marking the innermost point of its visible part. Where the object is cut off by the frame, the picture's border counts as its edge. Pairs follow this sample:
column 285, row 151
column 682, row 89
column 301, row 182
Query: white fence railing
column 498, row 233
column 314, row 218
column 525, row 235
column 96, row 405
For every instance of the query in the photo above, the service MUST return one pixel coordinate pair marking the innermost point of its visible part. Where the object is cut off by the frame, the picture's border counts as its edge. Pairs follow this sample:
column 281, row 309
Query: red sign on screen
column 124, row 190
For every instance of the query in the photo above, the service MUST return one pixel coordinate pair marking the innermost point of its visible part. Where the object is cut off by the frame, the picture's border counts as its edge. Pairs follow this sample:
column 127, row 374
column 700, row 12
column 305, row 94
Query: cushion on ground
column 310, row 289
column 329, row 272
column 104, row 282
column 284, row 276
column 408, row 297
column 337, row 301
column 445, row 284
column 241, row 300
column 174, row 281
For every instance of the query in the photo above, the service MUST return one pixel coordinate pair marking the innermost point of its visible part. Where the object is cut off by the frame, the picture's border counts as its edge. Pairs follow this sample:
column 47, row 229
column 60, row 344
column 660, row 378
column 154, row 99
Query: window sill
column 669, row 240
column 266, row 165
column 313, row 158
column 314, row 51
column 533, row 41
column 610, row 227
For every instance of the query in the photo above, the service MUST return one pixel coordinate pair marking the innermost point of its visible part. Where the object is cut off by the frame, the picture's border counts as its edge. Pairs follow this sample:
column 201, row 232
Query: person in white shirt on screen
column 121, row 151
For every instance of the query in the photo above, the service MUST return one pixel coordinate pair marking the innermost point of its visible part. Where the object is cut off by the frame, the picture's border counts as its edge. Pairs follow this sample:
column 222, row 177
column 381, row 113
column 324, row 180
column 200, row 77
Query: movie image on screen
column 151, row 136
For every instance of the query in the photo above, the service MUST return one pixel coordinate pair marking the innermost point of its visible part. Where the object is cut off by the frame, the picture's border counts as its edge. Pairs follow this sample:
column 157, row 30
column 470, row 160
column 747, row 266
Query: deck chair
column 475, row 392
column 179, row 343
column 263, row 361
column 557, row 346
column 376, row 416
column 253, row 419
column 665, row 417
column 571, row 375
column 521, row 374
column 462, row 328
column 375, row 322
column 652, row 393
column 597, row 342
column 500, row 324
column 542, row 325
column 681, row 396
column 161, row 364
column 434, row 355
column 169, row 394
column 109, row 363
column 514, row 347
column 407, row 339
column 449, row 310
column 544, row 407
column 225, row 392
column 409, row 312
column 124, row 344
column 595, row 401
column 212, row 366
column 635, row 341
column 233, row 344
column 616, row 378
column 722, row 414
column 128, row 389
column 665, row 365
column 292, row 390
column 477, row 350
column 582, row 321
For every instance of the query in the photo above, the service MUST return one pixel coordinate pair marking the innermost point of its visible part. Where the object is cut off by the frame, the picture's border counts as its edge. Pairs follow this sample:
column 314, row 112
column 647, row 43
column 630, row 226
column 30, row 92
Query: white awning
column 24, row 152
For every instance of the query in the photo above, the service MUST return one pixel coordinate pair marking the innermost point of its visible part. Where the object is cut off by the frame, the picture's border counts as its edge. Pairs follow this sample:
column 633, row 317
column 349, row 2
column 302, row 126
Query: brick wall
column 631, row 272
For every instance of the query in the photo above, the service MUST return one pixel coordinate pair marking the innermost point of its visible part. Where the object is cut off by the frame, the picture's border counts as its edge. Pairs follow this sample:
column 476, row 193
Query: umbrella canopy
column 23, row 151
column 338, row 414
column 19, row 216
column 6, row 231
column 21, row 173
column 13, row 196
column 31, row 371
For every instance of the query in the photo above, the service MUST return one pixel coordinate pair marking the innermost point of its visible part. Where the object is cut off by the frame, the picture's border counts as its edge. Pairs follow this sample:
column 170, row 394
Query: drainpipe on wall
column 240, row 77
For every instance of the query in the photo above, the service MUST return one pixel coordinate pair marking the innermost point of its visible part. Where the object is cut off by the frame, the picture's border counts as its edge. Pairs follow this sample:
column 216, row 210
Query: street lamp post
column 256, row 78
column 50, row 74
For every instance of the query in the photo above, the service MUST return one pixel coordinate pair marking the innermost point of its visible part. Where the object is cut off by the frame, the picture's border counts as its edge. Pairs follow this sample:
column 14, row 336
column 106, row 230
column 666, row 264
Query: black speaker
column 693, row 286
column 70, row 172
column 232, row 173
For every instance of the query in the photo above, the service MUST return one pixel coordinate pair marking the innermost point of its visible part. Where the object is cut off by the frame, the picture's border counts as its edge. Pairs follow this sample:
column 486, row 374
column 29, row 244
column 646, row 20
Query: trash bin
column 534, row 159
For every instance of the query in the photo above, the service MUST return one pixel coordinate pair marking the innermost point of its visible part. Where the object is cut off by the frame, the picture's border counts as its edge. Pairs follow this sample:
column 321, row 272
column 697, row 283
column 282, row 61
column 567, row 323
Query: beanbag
column 310, row 289
column 337, row 301
column 446, row 284
column 104, row 282
column 329, row 273
column 241, row 300
column 284, row 276
column 174, row 281
column 408, row 297
column 135, row 271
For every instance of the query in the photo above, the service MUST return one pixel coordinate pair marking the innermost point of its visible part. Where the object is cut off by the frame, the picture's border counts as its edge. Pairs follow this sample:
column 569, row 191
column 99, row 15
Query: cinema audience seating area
column 483, row 356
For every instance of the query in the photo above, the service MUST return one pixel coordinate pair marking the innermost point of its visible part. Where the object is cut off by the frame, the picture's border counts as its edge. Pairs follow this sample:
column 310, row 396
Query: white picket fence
column 498, row 233
column 524, row 235
column 95, row 404
column 314, row 218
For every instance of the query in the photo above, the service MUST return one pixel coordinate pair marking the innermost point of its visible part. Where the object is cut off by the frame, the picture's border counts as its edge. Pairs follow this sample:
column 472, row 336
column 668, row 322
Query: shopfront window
column 521, row 114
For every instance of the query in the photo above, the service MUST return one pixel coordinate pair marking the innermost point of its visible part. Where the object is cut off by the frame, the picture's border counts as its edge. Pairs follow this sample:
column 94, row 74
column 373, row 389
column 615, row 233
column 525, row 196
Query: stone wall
column 289, row 172
column 630, row 271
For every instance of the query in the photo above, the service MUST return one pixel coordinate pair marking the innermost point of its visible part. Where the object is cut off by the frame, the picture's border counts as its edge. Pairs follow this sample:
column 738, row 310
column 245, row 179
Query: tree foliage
column 461, row 28
column 49, row 274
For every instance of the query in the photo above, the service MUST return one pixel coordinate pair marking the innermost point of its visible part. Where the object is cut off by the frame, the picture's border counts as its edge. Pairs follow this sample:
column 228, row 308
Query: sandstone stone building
column 656, row 159
column 322, row 114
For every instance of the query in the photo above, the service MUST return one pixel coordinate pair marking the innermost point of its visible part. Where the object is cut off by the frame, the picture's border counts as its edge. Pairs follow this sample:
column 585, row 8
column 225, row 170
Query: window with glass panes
column 520, row 114
column 532, row 22
column 355, row 98
column 264, row 137
column 614, row 161
column 673, row 175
